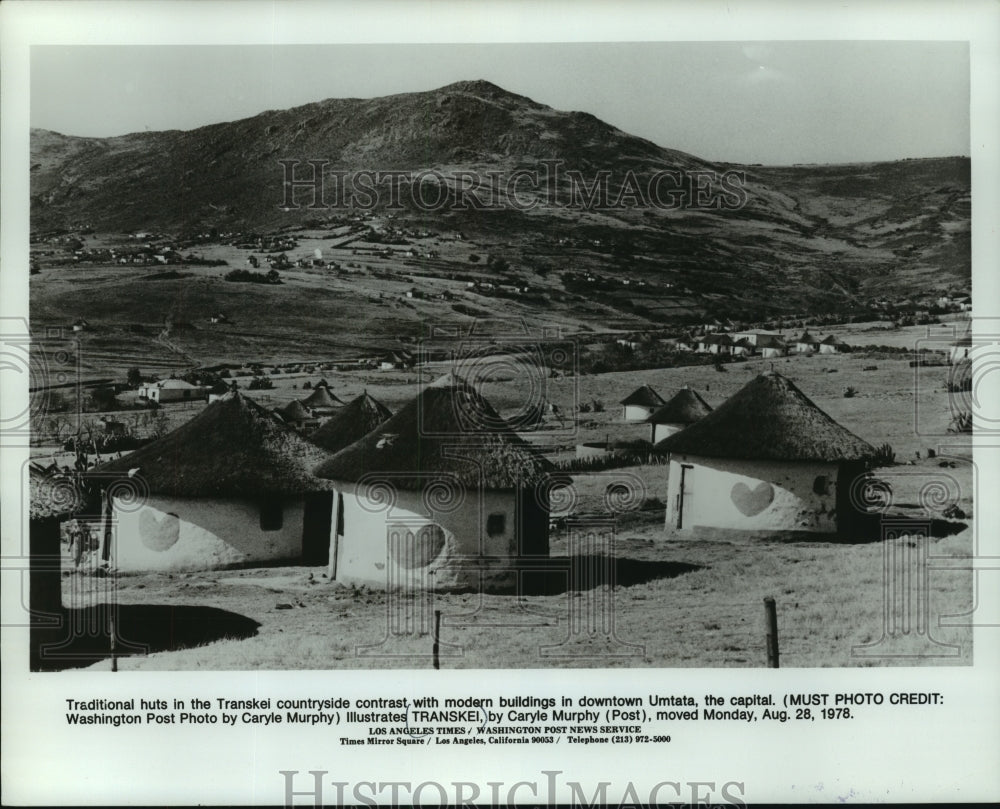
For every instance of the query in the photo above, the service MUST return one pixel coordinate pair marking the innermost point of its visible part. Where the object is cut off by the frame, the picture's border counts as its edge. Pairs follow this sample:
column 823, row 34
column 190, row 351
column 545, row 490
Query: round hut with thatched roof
column 232, row 486
column 321, row 402
column 640, row 404
column 768, row 460
column 351, row 423
column 443, row 495
column 682, row 410
column 296, row 415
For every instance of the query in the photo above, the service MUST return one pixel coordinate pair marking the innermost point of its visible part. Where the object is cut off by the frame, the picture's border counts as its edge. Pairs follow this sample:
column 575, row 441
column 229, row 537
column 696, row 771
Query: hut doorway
column 532, row 524
column 316, row 522
column 851, row 519
column 684, row 493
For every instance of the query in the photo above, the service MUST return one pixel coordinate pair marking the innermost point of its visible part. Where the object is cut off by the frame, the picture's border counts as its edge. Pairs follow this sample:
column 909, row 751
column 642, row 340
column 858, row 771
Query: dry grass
column 829, row 598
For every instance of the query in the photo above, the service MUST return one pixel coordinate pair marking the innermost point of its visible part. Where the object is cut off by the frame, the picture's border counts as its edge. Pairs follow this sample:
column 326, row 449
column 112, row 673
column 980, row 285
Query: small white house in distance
column 442, row 496
column 232, row 486
column 640, row 404
column 767, row 461
column 682, row 410
column 172, row 390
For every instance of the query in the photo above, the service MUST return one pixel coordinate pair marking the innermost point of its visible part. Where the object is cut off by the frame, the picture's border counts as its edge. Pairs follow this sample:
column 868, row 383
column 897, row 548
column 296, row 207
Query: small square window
column 821, row 484
column 496, row 524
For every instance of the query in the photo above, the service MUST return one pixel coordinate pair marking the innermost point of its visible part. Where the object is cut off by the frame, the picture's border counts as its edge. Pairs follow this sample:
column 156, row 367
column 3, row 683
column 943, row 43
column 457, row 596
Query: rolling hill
column 762, row 241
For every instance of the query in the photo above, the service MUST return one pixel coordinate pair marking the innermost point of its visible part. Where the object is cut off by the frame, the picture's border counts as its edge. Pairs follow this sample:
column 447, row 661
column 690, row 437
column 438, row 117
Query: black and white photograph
column 523, row 360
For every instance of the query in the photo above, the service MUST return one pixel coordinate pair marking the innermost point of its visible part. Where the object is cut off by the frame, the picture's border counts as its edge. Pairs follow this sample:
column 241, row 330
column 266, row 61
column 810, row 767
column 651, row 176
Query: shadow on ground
column 561, row 574
column 78, row 637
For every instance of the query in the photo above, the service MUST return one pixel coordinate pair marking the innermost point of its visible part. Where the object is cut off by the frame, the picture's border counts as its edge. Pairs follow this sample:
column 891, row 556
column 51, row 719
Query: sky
column 771, row 103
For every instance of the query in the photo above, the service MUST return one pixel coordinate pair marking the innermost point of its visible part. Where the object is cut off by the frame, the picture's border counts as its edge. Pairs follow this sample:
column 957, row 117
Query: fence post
column 771, row 617
column 437, row 638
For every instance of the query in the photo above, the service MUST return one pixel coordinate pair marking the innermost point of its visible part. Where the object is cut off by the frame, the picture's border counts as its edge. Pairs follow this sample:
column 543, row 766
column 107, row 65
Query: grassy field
column 675, row 604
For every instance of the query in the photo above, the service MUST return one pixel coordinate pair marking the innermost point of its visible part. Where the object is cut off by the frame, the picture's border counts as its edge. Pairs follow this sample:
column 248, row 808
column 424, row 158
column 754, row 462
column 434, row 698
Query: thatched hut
column 640, row 404
column 805, row 343
column 682, row 410
column 232, row 486
column 443, row 495
column 770, row 346
column 351, row 423
column 296, row 415
column 54, row 498
column 321, row 402
column 767, row 460
column 715, row 344
column 832, row 344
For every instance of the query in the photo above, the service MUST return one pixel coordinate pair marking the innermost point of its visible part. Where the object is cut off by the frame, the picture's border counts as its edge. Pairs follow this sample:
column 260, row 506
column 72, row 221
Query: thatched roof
column 832, row 340
column 684, row 407
column 293, row 411
column 716, row 339
column 321, row 397
column 52, row 494
column 447, row 433
column 770, row 341
column 233, row 448
column 806, row 337
column 769, row 419
column 350, row 423
column 644, row 397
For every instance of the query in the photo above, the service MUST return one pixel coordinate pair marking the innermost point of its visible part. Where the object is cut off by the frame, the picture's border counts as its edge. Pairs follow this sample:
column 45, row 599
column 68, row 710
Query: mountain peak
column 477, row 86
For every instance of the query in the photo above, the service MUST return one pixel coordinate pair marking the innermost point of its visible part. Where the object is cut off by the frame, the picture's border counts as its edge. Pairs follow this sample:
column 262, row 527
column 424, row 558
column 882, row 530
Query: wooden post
column 112, row 631
column 437, row 637
column 771, row 617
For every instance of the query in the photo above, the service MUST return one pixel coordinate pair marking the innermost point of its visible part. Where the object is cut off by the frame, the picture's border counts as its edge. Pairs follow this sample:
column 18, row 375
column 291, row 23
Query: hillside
column 782, row 240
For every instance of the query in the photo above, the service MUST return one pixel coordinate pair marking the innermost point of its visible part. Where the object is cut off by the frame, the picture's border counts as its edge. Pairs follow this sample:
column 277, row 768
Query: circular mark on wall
column 159, row 534
column 412, row 549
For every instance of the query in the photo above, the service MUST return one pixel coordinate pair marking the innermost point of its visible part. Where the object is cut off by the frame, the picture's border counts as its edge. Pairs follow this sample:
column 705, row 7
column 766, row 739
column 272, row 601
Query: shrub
column 961, row 423
column 260, row 383
column 885, row 455
column 598, row 406
column 850, row 392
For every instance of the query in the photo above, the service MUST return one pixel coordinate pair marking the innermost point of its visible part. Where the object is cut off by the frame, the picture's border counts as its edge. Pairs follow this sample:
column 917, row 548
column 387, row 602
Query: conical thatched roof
column 806, row 337
column 233, row 448
column 321, row 397
column 294, row 411
column 684, row 407
column 644, row 397
column 769, row 419
column 350, row 423
column 449, row 433
column 770, row 341
column 53, row 494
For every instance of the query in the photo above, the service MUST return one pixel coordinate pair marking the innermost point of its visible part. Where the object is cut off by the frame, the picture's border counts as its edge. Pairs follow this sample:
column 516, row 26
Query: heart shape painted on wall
column 158, row 534
column 752, row 501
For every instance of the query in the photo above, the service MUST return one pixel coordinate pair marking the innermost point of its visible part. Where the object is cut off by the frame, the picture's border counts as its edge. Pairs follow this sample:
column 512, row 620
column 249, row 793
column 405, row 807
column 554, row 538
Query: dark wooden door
column 316, row 523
